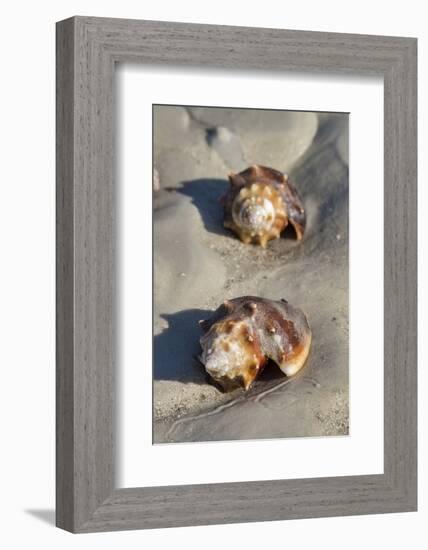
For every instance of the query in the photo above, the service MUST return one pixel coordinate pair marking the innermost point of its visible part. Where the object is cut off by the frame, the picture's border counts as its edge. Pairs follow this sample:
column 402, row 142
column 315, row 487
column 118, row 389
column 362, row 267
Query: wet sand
column 199, row 264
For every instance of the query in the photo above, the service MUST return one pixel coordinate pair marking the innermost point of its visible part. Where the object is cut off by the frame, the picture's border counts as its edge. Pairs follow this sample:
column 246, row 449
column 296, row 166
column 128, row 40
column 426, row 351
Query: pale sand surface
column 199, row 264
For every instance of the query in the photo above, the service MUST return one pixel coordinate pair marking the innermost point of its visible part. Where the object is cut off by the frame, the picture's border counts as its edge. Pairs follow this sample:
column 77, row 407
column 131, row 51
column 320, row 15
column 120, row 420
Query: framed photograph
column 236, row 274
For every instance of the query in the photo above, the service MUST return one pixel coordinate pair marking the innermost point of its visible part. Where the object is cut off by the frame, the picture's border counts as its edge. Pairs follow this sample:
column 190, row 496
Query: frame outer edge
column 400, row 315
column 411, row 79
column 65, row 274
column 86, row 498
column 94, row 274
column 407, row 267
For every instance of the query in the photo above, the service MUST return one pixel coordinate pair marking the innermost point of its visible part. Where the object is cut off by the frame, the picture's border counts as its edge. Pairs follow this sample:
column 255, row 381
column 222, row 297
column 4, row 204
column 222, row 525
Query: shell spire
column 260, row 203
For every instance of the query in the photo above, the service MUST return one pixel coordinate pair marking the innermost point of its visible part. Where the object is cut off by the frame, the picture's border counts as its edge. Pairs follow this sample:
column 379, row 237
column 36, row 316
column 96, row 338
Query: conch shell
column 244, row 333
column 260, row 203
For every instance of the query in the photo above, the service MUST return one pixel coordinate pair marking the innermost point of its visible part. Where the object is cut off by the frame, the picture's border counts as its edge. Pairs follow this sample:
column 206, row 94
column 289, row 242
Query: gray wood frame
column 87, row 50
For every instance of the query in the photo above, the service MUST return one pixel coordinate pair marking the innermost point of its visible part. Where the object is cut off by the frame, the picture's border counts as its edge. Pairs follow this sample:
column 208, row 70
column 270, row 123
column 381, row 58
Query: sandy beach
column 198, row 264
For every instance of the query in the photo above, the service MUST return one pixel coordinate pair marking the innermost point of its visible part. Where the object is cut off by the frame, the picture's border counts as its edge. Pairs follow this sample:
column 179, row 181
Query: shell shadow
column 206, row 195
column 175, row 350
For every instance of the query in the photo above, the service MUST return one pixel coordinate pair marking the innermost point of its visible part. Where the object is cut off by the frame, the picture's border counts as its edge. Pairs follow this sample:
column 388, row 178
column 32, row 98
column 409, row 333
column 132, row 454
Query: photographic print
column 250, row 274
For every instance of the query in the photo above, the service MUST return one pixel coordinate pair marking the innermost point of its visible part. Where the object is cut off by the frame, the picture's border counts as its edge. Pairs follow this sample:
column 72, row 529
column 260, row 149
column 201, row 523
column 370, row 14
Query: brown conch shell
column 260, row 203
column 244, row 333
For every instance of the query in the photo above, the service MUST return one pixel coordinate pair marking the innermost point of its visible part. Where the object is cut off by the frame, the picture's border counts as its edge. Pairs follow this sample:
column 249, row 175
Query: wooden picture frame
column 87, row 50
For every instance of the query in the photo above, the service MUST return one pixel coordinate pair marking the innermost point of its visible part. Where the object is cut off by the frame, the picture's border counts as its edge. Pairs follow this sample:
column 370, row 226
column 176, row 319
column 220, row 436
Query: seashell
column 260, row 203
column 244, row 333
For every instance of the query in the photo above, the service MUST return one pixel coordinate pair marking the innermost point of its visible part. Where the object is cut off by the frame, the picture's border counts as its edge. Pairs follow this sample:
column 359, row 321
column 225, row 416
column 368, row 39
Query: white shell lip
column 291, row 368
